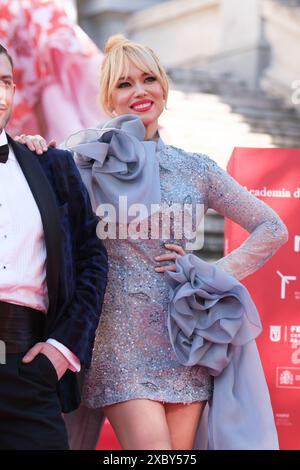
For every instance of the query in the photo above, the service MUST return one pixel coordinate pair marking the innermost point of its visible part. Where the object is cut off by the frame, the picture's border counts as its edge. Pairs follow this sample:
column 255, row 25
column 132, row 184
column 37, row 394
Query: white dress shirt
column 22, row 246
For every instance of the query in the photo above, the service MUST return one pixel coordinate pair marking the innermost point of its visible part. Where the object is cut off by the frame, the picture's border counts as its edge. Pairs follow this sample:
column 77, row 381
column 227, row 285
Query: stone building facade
column 251, row 41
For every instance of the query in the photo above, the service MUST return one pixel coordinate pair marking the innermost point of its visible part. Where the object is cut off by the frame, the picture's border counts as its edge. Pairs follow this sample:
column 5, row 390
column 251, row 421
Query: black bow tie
column 4, row 150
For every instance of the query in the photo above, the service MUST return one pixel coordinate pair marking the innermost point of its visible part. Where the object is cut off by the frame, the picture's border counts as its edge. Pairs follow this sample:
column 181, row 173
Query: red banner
column 273, row 175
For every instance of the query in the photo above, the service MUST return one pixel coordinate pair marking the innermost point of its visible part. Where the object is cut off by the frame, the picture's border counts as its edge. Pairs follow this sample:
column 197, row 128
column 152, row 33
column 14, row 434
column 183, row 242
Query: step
column 209, row 257
column 224, row 138
column 214, row 243
column 253, row 102
column 213, row 224
column 191, row 81
column 228, row 127
column 207, row 125
column 293, row 132
column 278, row 115
column 286, row 142
column 271, row 123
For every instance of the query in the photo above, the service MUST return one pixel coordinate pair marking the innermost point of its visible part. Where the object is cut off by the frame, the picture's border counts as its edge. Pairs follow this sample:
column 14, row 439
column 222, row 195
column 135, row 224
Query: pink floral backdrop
column 57, row 69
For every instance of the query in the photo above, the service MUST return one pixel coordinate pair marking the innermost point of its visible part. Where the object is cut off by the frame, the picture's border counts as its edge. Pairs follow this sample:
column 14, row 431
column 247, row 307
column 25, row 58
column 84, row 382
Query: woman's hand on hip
column 176, row 251
column 35, row 143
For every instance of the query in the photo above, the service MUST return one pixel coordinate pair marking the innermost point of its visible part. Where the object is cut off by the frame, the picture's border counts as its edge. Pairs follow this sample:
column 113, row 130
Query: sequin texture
column 132, row 355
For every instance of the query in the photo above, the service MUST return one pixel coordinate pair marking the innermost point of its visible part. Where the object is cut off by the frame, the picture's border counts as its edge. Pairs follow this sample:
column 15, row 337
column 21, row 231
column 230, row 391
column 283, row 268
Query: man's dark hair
column 5, row 52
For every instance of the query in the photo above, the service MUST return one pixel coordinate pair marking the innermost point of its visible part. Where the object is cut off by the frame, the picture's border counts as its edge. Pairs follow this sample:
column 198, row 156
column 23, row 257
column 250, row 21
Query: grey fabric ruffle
column 213, row 322
column 115, row 161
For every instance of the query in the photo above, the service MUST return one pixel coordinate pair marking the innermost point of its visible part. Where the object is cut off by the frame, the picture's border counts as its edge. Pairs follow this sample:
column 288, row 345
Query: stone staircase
column 212, row 115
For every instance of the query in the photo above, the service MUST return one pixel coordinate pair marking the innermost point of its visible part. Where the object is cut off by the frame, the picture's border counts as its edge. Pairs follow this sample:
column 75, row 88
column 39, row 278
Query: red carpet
column 108, row 440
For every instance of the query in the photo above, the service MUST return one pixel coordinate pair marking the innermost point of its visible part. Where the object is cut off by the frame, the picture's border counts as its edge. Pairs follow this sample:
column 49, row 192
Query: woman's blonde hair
column 119, row 51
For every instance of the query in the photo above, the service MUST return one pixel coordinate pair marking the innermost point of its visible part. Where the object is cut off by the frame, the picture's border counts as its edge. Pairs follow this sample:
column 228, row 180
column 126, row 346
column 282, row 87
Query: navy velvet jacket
column 76, row 265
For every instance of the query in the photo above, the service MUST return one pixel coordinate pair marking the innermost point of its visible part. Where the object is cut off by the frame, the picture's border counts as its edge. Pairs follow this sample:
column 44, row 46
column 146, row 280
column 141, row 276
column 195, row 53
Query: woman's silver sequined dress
column 132, row 355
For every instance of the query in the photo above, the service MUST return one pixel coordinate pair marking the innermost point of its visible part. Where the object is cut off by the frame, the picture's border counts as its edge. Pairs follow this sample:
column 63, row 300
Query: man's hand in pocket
column 58, row 360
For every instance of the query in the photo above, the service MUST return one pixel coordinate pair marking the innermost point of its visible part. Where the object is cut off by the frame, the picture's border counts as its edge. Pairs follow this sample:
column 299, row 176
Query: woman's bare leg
column 140, row 424
column 183, row 420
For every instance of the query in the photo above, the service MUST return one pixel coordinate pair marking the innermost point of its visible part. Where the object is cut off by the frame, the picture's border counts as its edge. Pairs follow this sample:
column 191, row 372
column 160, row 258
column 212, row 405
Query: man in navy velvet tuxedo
column 53, row 273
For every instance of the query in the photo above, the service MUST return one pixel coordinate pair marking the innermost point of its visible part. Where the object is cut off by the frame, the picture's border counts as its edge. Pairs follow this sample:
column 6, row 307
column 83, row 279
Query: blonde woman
column 151, row 400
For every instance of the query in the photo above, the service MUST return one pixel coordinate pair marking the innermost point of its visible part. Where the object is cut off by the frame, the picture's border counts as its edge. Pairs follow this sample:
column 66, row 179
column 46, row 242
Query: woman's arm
column 267, row 231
